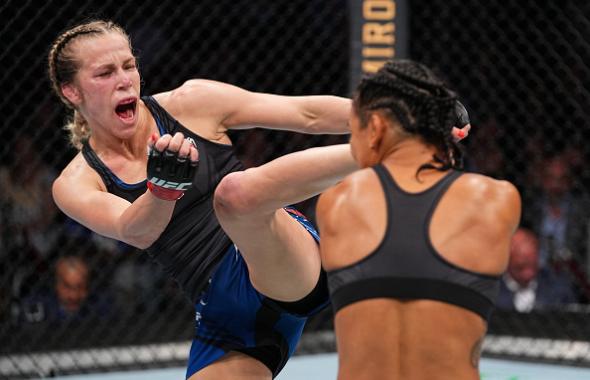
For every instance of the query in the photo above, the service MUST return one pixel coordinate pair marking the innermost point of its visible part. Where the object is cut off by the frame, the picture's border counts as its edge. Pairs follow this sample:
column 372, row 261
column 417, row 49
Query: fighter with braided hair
column 412, row 296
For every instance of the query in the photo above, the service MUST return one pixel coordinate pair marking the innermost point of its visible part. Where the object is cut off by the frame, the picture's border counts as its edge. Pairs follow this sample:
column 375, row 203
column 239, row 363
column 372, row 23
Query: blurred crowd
column 55, row 270
column 549, row 256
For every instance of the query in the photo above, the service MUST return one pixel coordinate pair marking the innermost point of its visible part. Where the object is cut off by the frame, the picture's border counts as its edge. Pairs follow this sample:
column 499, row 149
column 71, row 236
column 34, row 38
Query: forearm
column 172, row 163
column 327, row 114
column 144, row 220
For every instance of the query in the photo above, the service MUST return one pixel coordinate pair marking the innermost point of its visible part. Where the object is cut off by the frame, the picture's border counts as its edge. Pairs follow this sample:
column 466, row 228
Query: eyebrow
column 111, row 65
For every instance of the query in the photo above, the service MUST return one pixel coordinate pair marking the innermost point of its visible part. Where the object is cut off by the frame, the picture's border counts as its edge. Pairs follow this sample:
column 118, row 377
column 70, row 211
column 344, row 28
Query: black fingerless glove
column 169, row 176
column 462, row 117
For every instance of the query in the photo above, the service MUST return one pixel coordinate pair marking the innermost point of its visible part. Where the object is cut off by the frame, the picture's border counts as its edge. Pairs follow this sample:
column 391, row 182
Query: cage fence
column 521, row 67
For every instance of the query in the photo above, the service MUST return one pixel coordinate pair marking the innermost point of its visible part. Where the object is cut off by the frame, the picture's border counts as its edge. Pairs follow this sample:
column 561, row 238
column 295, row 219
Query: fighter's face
column 107, row 84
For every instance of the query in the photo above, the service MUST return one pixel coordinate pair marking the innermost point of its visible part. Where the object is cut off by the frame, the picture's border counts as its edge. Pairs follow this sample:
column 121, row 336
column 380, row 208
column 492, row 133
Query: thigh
column 234, row 365
column 231, row 316
column 282, row 257
column 280, row 251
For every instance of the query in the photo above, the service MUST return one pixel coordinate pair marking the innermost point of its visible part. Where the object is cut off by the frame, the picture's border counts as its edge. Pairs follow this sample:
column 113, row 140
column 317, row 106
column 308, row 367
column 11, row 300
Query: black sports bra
column 405, row 265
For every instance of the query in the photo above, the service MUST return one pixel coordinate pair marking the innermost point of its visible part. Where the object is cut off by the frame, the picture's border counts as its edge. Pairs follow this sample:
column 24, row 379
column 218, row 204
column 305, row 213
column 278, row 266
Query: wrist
column 164, row 193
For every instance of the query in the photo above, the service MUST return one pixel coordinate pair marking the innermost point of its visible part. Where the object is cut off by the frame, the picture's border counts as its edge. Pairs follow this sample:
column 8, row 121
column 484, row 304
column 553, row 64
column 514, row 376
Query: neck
column 409, row 153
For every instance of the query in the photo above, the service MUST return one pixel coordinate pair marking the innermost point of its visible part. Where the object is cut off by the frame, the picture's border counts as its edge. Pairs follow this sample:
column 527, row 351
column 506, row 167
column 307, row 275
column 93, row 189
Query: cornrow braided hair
column 63, row 66
column 419, row 101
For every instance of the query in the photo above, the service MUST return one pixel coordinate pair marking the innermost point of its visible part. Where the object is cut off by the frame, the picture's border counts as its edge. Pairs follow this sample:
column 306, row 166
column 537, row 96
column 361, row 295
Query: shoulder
column 352, row 218
column 483, row 184
column 346, row 198
column 76, row 175
column 202, row 87
column 202, row 98
column 490, row 198
column 199, row 90
column 75, row 169
column 481, row 187
column 351, row 186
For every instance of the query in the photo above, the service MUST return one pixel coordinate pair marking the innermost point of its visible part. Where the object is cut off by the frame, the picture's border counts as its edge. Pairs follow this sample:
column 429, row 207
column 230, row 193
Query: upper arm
column 236, row 108
column 498, row 214
column 473, row 224
column 79, row 197
column 507, row 203
column 268, row 110
column 510, row 211
column 494, row 206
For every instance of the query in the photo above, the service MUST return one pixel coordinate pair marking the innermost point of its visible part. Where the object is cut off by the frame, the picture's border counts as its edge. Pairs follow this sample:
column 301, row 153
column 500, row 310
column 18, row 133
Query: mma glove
column 462, row 117
column 169, row 175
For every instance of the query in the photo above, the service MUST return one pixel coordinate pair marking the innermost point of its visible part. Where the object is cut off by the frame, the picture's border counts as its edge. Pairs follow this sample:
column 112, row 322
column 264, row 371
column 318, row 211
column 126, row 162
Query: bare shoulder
column 75, row 176
column 345, row 199
column 76, row 167
column 202, row 88
column 200, row 95
column 351, row 219
column 490, row 197
column 484, row 187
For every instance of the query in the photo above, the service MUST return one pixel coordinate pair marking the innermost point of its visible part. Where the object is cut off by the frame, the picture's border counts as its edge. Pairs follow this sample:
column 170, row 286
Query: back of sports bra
column 405, row 265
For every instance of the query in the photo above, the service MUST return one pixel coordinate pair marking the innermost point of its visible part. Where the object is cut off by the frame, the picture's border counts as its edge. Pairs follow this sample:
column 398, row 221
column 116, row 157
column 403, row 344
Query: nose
column 124, row 79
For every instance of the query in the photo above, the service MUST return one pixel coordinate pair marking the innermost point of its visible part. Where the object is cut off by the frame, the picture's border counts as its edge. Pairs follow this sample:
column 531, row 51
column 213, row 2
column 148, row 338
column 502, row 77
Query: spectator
column 26, row 202
column 70, row 299
column 28, row 228
column 526, row 286
column 558, row 216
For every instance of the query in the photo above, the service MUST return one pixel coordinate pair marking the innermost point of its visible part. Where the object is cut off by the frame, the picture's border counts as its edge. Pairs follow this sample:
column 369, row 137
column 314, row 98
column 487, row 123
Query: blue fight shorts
column 233, row 316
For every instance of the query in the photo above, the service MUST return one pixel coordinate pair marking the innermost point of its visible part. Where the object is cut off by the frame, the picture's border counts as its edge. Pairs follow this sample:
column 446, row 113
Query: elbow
column 142, row 243
column 313, row 124
column 136, row 239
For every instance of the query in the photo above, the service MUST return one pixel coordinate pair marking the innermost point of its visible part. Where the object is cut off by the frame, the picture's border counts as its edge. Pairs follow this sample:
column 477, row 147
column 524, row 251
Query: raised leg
column 282, row 257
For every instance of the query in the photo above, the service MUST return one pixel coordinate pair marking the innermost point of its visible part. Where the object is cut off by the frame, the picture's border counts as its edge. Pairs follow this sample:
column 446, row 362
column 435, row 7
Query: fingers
column 466, row 129
column 194, row 153
column 162, row 142
column 176, row 144
column 186, row 149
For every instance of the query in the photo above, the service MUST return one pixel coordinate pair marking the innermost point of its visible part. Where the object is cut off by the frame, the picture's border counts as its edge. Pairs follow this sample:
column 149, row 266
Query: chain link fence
column 521, row 67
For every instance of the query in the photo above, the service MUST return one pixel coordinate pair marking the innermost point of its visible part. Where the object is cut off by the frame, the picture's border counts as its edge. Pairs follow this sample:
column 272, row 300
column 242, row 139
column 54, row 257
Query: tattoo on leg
column 476, row 352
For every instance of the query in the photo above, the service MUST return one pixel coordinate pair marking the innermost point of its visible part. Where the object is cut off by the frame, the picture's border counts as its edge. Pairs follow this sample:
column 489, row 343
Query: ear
column 377, row 130
column 71, row 93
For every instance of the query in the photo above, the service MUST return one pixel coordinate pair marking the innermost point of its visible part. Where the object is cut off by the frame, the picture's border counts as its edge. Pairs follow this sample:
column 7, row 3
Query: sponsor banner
column 379, row 32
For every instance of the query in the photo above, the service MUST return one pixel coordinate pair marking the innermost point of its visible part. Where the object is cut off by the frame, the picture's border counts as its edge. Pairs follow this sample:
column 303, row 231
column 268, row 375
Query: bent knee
column 233, row 197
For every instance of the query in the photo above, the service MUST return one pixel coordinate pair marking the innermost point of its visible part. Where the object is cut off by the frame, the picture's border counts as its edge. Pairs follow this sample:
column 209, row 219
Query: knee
column 233, row 197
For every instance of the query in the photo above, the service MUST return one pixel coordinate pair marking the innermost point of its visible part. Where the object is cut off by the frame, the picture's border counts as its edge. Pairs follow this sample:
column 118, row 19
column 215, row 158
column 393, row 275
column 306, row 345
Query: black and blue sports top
column 405, row 265
column 193, row 243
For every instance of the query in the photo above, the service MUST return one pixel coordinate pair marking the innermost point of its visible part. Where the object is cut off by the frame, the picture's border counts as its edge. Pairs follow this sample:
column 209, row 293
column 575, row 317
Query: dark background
column 521, row 67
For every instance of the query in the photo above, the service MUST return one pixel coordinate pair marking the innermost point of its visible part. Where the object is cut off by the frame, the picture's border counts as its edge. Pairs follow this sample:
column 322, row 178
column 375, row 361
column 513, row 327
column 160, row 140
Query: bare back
column 390, row 338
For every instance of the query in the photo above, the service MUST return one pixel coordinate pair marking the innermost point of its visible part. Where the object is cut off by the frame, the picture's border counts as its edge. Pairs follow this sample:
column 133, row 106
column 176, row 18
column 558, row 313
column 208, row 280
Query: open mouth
column 126, row 109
